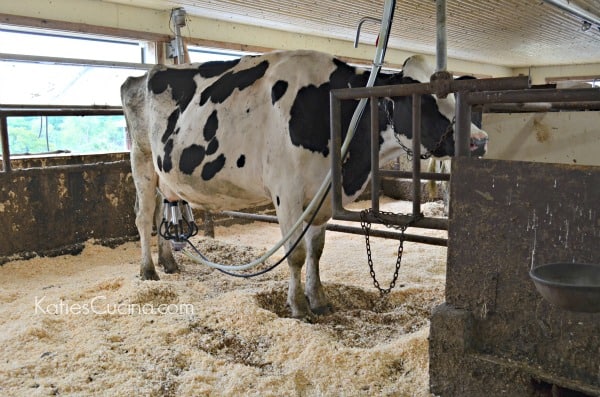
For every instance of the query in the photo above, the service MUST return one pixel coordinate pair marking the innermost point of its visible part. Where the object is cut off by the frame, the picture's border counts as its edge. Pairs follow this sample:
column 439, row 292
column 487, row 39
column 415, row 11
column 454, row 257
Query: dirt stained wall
column 495, row 335
column 52, row 206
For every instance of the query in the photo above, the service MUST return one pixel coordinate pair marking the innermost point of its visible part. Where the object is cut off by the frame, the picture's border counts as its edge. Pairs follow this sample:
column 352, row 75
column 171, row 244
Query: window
column 62, row 134
column 50, row 68
column 44, row 43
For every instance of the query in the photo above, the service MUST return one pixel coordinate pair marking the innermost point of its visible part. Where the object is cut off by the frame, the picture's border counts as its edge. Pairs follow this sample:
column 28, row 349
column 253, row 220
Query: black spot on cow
column 191, row 157
column 212, row 147
column 181, row 81
column 241, row 161
column 221, row 89
column 309, row 115
column 216, row 68
column 167, row 164
column 171, row 123
column 211, row 168
column 159, row 163
column 431, row 120
column 248, row 110
column 308, row 123
column 211, row 126
column 278, row 201
column 278, row 90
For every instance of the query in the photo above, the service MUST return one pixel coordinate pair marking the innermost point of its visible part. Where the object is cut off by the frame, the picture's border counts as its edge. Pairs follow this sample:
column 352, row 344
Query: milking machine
column 178, row 223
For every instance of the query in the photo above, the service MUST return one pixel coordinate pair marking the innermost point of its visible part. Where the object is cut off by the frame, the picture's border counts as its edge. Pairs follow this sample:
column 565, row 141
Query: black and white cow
column 232, row 134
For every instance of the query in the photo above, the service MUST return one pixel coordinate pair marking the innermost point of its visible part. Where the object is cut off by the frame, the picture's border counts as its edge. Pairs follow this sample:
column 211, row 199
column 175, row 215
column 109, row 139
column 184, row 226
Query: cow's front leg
column 296, row 298
column 315, row 240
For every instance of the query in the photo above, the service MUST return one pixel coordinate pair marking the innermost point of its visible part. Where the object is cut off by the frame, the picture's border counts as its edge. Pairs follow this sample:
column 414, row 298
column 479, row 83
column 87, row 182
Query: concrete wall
column 554, row 137
column 495, row 335
column 55, row 209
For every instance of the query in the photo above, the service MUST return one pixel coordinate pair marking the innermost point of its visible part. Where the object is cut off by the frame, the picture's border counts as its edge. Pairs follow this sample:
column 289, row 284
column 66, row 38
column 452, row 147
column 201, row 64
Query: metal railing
column 438, row 87
column 512, row 90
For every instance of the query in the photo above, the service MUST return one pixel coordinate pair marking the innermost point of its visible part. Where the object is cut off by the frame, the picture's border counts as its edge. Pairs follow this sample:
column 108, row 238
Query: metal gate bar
column 437, row 87
column 535, row 95
column 347, row 229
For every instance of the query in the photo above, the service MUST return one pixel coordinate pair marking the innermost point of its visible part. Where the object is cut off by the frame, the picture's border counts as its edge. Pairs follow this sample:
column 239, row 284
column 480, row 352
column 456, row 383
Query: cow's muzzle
column 478, row 146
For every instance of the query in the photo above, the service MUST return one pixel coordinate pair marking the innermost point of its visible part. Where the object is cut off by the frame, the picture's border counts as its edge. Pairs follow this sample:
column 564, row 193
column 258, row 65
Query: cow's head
column 437, row 115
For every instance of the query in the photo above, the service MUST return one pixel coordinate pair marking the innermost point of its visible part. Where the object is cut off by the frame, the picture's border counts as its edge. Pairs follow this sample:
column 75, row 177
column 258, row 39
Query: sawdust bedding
column 87, row 325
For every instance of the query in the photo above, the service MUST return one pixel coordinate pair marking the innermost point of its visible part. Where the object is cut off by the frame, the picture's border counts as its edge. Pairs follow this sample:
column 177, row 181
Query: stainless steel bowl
column 570, row 286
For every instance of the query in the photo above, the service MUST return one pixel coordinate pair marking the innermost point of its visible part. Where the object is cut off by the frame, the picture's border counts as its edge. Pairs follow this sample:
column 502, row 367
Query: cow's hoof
column 168, row 263
column 171, row 268
column 149, row 275
column 322, row 310
column 305, row 317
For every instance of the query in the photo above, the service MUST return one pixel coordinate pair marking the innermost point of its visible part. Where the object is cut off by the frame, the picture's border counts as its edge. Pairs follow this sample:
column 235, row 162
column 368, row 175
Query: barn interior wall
column 552, row 137
column 52, row 206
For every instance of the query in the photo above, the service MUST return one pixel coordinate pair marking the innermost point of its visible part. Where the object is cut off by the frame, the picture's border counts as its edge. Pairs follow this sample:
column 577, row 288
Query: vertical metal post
column 416, row 148
column 375, row 183
column 335, row 107
column 5, row 148
column 441, row 43
column 463, row 125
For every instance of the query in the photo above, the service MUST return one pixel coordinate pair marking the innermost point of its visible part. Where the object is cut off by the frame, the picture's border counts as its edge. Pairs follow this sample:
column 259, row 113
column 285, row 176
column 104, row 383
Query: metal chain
column 429, row 153
column 366, row 225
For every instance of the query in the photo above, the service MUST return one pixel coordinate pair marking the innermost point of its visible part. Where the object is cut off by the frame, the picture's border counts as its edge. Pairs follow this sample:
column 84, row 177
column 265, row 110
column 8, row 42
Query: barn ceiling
column 512, row 33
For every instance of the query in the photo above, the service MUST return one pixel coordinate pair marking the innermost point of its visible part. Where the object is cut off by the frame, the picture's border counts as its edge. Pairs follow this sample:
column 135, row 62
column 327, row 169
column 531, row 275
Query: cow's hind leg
column 145, row 180
column 165, row 251
column 315, row 240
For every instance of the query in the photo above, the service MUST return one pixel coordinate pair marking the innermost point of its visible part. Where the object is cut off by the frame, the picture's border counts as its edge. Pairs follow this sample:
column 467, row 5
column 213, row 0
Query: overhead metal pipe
column 574, row 9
